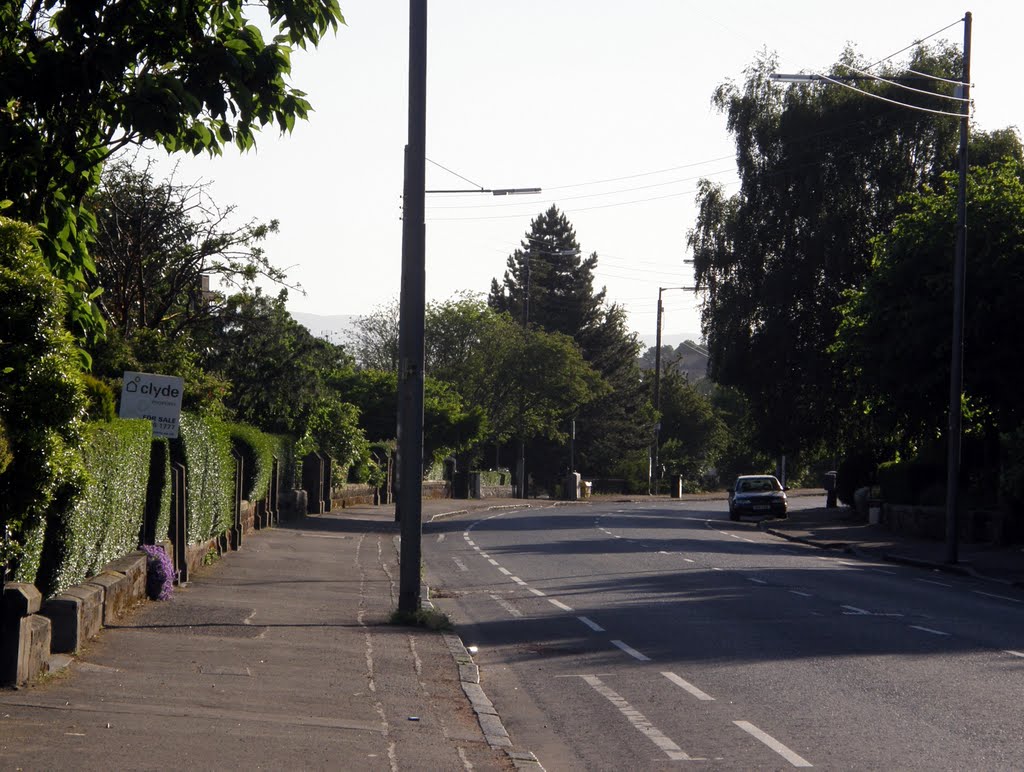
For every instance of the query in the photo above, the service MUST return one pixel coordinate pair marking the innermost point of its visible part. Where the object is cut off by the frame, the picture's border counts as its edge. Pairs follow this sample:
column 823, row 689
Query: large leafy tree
column 693, row 435
column 525, row 383
column 85, row 79
column 902, row 379
column 278, row 371
column 155, row 243
column 549, row 285
column 822, row 172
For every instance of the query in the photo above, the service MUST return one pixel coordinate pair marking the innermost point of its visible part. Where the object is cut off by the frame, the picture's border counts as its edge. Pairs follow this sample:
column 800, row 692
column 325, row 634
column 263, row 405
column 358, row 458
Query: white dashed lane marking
column 687, row 686
column 631, row 651
column 638, row 720
column 793, row 758
column 927, row 630
column 591, row 624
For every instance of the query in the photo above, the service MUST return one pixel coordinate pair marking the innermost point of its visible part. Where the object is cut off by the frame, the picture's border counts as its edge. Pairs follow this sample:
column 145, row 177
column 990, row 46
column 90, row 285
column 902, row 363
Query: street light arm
column 493, row 191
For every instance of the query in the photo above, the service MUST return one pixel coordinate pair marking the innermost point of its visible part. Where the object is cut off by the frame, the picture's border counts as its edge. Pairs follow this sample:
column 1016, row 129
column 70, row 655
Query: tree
column 903, row 380
column 693, row 436
column 155, row 241
column 375, row 338
column 278, row 371
column 549, row 286
column 547, row 283
column 450, row 425
column 42, row 403
column 83, row 80
column 822, row 171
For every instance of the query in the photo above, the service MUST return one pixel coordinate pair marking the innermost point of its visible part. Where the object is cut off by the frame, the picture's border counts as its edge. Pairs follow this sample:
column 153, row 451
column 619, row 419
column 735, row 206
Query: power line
column 886, row 99
column 909, row 88
column 916, row 43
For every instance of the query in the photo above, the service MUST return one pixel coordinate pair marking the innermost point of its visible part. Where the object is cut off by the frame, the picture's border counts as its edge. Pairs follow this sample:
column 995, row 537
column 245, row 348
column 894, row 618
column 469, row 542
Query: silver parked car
column 757, row 494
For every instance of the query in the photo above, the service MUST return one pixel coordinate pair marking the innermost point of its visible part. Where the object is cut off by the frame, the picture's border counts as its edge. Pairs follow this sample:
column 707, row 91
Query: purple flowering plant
column 159, row 573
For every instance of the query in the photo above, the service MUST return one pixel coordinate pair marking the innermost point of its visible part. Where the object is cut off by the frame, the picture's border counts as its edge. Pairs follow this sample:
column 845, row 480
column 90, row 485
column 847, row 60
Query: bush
column 258, row 451
column 104, row 523
column 205, row 446
column 101, row 402
column 41, row 402
column 159, row 573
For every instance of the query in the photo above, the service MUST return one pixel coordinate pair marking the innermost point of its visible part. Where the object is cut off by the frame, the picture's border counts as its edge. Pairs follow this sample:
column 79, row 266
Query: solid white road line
column 1015, row 653
column 559, row 604
column 793, row 758
column 801, row 594
column 927, row 630
column 637, row 719
column 507, row 606
column 689, row 560
column 932, row 581
column 631, row 651
column 855, row 610
column 591, row 624
column 756, row 580
column 1000, row 597
column 687, row 686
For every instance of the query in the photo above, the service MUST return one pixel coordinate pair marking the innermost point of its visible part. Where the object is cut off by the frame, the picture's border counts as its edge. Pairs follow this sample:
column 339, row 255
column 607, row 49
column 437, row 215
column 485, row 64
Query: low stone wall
column 352, row 495
column 976, row 526
column 34, row 629
column 496, row 491
column 437, row 489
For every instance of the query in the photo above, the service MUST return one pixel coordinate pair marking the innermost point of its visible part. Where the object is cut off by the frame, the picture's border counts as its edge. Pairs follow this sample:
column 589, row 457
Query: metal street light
column 412, row 305
column 657, row 378
column 956, row 368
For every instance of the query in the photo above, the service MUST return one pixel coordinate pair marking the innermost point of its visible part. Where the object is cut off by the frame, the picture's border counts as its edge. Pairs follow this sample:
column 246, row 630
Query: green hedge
column 258, row 450
column 104, row 523
column 205, row 446
column 41, row 402
column 158, row 492
column 911, row 482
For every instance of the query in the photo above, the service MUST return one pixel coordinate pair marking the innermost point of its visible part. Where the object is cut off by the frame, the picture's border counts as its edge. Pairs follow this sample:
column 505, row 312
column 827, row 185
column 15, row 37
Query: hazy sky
column 606, row 106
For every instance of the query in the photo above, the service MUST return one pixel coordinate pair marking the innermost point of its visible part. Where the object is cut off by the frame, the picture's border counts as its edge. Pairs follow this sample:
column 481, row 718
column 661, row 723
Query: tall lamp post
column 956, row 368
column 412, row 304
column 657, row 381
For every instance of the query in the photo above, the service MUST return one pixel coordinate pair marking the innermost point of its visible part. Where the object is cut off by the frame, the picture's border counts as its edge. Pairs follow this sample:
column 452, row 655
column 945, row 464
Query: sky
column 605, row 106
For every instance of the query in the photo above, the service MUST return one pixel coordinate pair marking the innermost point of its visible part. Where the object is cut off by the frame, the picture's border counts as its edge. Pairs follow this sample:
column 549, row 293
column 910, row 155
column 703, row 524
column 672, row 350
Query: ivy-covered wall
column 104, row 523
column 205, row 445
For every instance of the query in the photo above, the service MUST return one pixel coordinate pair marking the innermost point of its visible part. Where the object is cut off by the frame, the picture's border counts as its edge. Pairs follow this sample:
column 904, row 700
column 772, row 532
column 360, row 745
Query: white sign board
column 157, row 398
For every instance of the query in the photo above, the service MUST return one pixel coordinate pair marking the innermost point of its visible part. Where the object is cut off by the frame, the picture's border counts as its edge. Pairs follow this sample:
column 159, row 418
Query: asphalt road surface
column 649, row 636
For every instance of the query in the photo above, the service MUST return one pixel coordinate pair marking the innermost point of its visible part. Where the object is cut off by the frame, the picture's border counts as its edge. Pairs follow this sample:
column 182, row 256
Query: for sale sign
column 157, row 398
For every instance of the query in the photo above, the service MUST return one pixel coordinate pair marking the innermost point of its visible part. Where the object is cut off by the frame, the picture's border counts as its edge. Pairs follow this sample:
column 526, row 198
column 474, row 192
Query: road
column 647, row 636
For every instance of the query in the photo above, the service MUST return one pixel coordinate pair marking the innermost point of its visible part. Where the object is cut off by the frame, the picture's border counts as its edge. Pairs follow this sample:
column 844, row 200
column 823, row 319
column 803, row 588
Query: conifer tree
column 549, row 285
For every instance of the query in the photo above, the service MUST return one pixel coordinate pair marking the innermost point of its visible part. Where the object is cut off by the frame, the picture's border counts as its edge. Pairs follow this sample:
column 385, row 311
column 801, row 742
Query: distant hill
column 334, row 327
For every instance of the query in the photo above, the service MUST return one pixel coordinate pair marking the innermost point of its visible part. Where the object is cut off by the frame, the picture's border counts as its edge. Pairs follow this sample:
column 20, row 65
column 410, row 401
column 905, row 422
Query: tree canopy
column 85, row 79
column 902, row 380
column 822, row 172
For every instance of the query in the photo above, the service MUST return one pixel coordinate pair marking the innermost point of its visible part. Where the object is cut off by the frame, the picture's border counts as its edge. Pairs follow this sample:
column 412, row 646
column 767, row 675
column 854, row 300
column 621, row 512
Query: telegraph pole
column 411, row 311
column 956, row 369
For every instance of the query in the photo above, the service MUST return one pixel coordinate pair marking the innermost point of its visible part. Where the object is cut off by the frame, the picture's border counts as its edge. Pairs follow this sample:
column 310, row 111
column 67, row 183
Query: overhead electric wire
column 465, row 179
column 916, row 43
column 886, row 99
column 908, row 88
column 585, row 195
